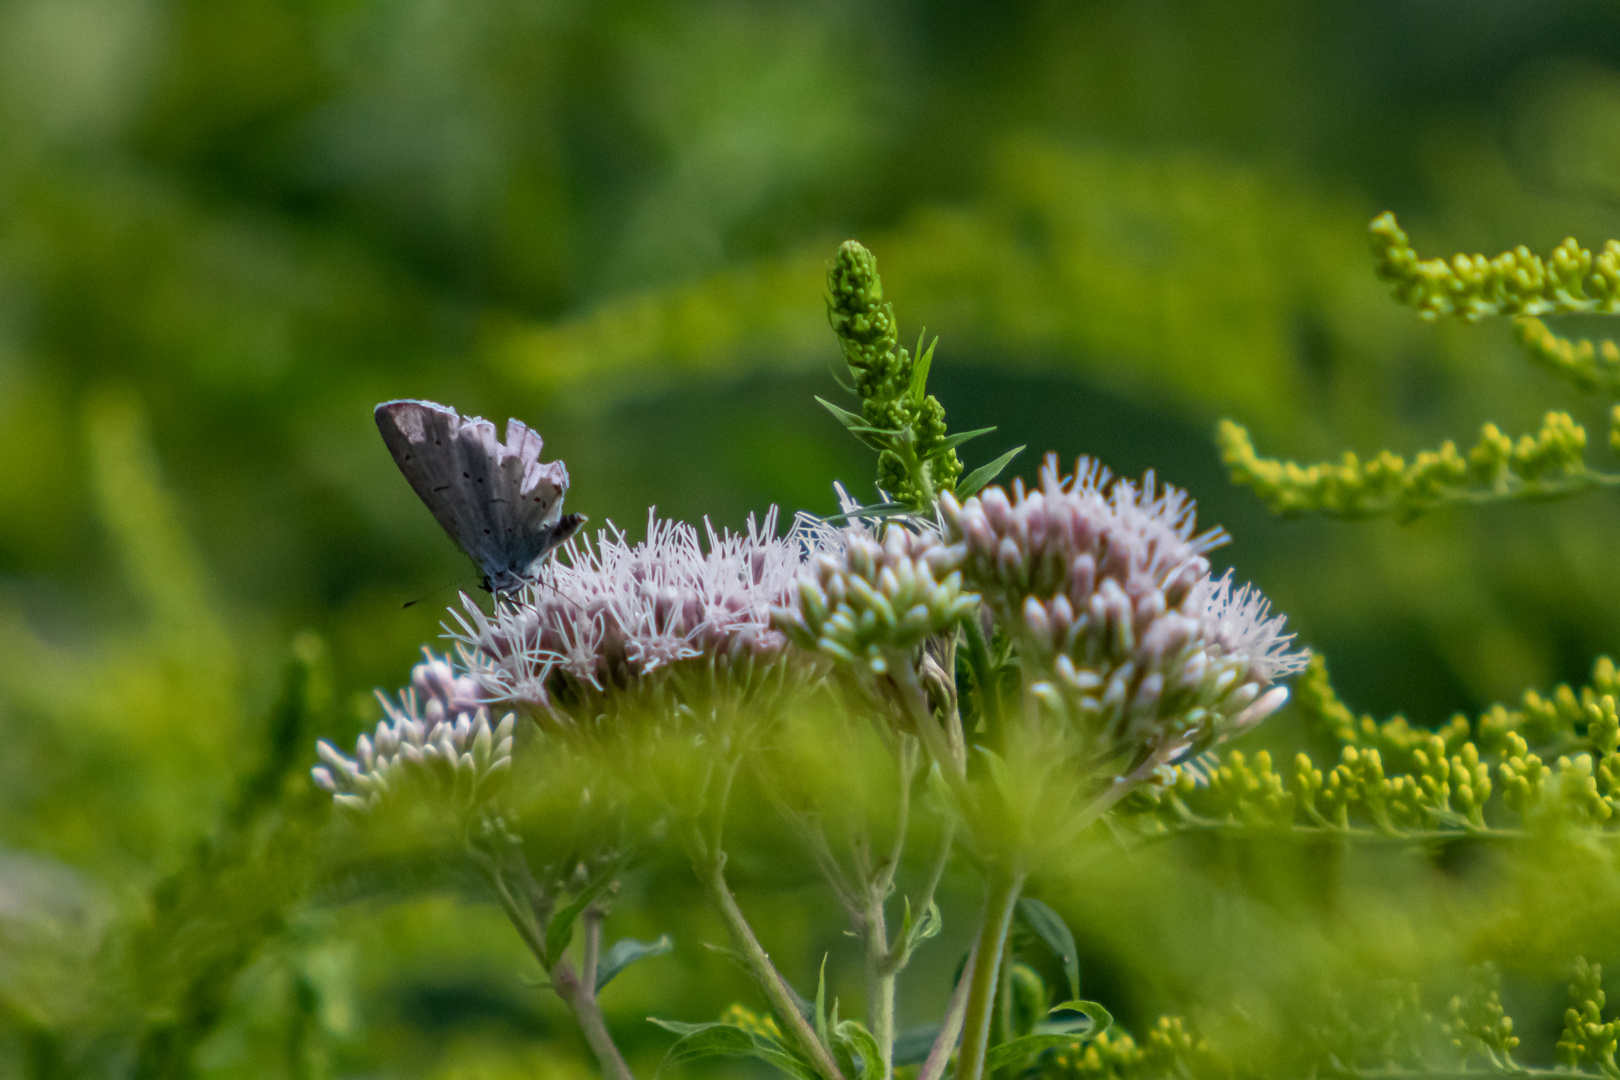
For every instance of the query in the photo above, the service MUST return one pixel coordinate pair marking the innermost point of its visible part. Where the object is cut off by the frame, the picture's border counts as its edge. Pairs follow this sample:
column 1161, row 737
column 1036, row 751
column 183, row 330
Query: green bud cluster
column 1554, row 762
column 1550, row 462
column 1594, row 368
column 1581, row 788
column 876, row 601
column 1587, row 1038
column 899, row 418
column 1476, row 1023
column 1516, row 282
column 1566, row 720
column 1440, row 791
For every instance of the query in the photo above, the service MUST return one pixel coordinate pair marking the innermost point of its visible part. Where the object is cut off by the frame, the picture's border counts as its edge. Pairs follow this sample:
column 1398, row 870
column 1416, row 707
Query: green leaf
column 847, row 387
column 985, row 473
column 919, row 369
column 1101, row 1019
column 913, row 935
column 627, row 951
column 1049, row 1035
column 699, row 1041
column 1054, row 933
column 843, row 416
column 822, row 1031
column 681, row 1027
column 954, row 441
column 774, row 1053
column 560, row 930
column 877, row 510
column 861, row 1043
column 1011, row 1053
column 876, row 438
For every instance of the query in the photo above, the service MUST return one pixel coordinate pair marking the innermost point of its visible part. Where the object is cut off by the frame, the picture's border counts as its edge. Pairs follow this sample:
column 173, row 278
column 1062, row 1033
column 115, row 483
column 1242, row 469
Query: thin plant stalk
column 978, row 656
column 711, row 872
column 577, row 991
column 880, row 980
column 709, row 863
column 1001, row 898
column 950, row 1029
column 883, row 961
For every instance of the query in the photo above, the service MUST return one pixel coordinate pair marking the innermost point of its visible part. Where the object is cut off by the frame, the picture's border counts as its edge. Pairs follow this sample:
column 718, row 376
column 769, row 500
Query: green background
column 229, row 227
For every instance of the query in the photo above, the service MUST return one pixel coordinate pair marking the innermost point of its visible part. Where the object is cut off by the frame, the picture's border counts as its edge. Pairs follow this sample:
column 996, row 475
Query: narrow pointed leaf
column 560, row 930
column 926, row 927
column 873, row 437
column 920, row 366
column 822, row 1031
column 625, row 952
column 883, row 509
column 1054, row 933
column 845, row 385
column 954, row 441
column 843, row 416
column 985, row 473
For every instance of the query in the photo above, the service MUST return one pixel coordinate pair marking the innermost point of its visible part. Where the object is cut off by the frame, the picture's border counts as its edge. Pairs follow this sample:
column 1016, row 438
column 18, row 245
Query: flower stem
column 939, row 1055
column 578, row 993
column 580, row 996
column 711, row 871
column 881, row 972
column 984, row 677
column 883, row 961
column 880, row 1006
column 1002, row 897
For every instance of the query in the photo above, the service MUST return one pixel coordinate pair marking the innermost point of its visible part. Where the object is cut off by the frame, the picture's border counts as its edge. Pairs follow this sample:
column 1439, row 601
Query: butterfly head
column 512, row 578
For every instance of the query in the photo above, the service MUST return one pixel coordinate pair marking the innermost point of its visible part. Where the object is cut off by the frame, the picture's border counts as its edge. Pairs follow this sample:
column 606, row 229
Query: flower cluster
column 1497, row 467
column 1107, row 589
column 437, row 734
column 608, row 614
column 899, row 418
column 870, row 600
column 1517, row 282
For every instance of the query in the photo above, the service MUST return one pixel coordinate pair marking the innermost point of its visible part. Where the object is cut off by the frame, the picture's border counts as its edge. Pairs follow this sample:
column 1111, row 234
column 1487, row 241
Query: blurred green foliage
column 229, row 227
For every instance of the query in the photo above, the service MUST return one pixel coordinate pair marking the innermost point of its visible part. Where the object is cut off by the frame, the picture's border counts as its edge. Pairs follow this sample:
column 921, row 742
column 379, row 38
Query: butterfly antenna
column 538, row 582
column 430, row 595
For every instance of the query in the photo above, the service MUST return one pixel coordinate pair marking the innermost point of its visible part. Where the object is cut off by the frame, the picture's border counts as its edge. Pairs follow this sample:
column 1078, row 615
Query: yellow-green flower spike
column 1498, row 468
column 1569, row 280
column 1589, row 366
column 1399, row 781
column 899, row 418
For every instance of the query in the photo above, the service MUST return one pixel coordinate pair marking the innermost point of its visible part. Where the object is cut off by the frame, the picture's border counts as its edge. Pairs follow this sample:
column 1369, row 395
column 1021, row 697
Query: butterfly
column 498, row 501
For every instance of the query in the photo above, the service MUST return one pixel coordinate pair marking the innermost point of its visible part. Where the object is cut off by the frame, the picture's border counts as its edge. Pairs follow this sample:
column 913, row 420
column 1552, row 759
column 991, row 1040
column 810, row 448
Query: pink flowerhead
column 436, row 738
column 608, row 614
column 1108, row 585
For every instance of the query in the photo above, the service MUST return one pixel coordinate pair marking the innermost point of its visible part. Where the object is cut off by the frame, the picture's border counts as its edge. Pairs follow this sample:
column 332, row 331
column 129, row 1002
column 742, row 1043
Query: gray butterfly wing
column 498, row 501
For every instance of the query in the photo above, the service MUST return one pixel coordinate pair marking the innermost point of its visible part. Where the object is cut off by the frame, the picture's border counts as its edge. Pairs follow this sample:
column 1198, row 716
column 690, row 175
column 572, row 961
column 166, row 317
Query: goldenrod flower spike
column 1569, row 280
